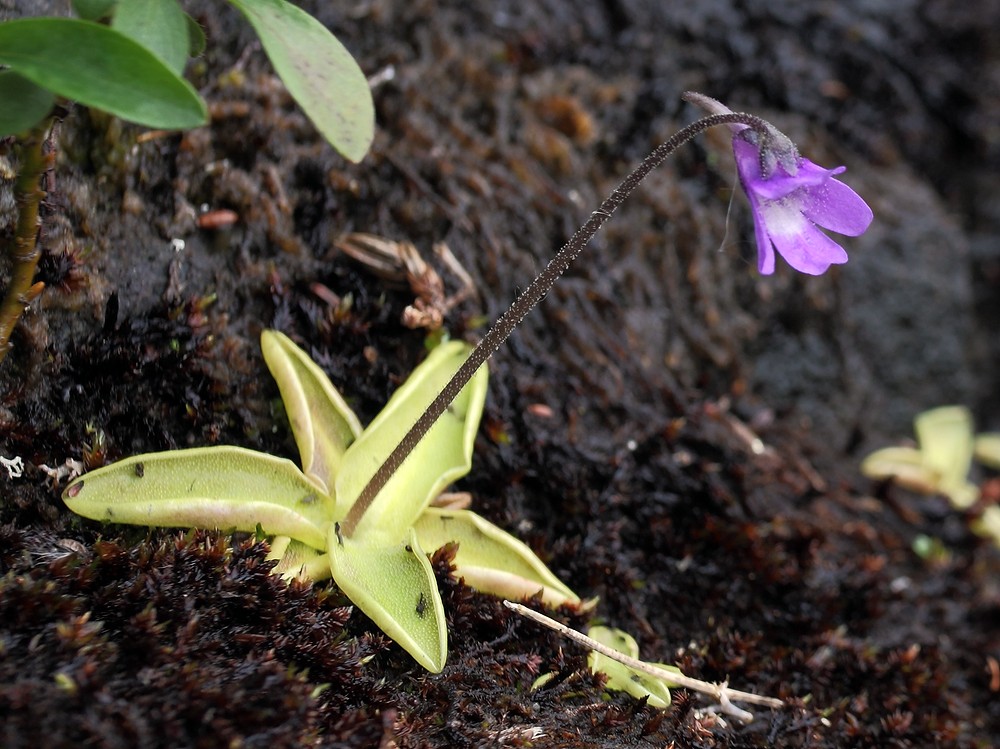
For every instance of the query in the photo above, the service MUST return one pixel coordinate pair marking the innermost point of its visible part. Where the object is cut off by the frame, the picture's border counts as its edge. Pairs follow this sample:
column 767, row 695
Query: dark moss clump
column 178, row 642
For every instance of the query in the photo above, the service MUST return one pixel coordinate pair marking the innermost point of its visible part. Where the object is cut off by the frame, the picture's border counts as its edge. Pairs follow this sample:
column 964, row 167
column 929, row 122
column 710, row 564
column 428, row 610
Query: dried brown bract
column 401, row 263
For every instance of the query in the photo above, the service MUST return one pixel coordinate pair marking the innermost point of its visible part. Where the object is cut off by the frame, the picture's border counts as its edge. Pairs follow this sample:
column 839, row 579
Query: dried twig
column 721, row 692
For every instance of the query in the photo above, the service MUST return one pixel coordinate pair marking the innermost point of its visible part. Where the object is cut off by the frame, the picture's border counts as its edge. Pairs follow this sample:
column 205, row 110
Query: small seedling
column 621, row 678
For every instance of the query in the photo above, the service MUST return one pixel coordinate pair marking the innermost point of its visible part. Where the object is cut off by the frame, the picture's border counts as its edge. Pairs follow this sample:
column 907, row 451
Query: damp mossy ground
column 618, row 434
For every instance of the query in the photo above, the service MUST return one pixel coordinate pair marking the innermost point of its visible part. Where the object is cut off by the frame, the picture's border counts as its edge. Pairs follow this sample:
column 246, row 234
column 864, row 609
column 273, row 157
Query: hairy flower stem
column 28, row 195
column 533, row 294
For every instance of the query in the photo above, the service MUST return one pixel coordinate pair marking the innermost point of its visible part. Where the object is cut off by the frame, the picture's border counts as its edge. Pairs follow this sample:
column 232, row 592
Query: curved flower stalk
column 791, row 198
column 382, row 566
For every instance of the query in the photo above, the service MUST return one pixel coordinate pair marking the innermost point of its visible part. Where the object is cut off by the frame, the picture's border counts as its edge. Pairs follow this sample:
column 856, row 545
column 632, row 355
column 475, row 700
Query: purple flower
column 790, row 197
column 791, row 201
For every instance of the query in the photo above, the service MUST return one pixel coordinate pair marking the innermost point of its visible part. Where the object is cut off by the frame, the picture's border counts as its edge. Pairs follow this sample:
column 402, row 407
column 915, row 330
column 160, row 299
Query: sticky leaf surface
column 321, row 421
column 297, row 560
column 209, row 487
column 395, row 586
column 443, row 455
column 490, row 559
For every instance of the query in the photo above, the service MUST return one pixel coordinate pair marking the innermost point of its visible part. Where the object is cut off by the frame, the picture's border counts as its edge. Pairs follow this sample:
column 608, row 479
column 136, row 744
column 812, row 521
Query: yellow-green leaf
column 489, row 558
column 322, row 422
column 945, row 436
column 988, row 525
column 987, row 449
column 395, row 586
column 905, row 465
column 621, row 677
column 297, row 561
column 443, row 455
column 229, row 488
column 941, row 464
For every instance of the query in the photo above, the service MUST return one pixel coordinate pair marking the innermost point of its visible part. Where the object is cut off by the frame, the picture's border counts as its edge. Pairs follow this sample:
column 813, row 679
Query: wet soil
column 619, row 435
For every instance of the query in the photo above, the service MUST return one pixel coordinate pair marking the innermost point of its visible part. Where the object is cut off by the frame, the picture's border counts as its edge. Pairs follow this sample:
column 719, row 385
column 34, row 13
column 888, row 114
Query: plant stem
column 24, row 255
column 531, row 295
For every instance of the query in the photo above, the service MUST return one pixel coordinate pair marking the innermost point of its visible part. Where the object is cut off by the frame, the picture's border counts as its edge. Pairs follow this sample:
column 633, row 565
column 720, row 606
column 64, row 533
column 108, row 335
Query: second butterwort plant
column 357, row 510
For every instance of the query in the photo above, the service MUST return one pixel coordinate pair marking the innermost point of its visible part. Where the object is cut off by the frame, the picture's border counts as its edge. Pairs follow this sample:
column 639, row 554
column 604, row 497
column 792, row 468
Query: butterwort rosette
column 792, row 199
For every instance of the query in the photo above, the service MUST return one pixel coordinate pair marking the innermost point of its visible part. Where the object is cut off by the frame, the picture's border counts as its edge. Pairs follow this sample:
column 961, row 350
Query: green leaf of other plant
column 102, row 68
column 621, row 677
column 318, row 71
column 395, row 586
column 489, row 558
column 158, row 25
column 93, row 10
column 196, row 37
column 24, row 103
column 205, row 487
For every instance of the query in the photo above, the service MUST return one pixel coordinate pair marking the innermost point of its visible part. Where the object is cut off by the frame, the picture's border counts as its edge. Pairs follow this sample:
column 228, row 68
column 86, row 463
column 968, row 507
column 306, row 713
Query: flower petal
column 809, row 177
column 798, row 240
column 836, row 207
column 747, row 161
column 765, row 250
column 780, row 183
